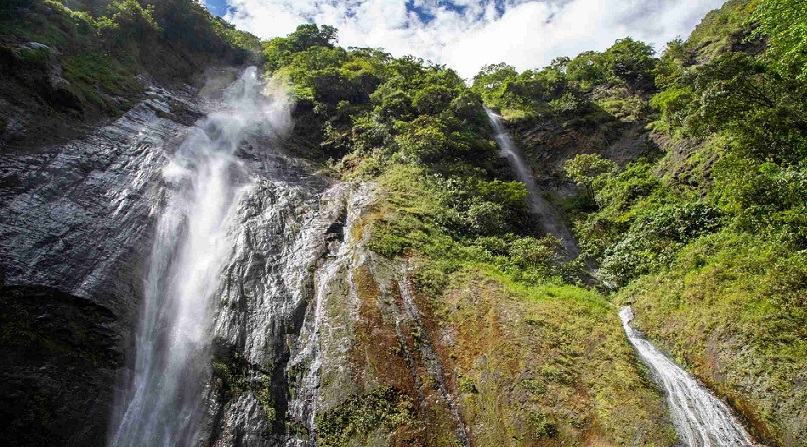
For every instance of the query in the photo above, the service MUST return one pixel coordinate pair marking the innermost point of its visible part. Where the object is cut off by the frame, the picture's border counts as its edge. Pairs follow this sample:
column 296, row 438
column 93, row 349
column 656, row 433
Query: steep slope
column 64, row 71
column 482, row 360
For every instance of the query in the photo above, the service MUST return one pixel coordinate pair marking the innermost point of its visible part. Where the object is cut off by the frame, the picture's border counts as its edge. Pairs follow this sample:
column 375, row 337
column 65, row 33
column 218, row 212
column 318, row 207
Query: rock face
column 75, row 226
column 38, row 103
column 549, row 144
column 60, row 354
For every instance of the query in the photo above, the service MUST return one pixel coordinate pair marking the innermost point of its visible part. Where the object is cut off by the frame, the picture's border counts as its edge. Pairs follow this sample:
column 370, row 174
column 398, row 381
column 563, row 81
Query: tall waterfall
column 700, row 419
column 539, row 206
column 204, row 183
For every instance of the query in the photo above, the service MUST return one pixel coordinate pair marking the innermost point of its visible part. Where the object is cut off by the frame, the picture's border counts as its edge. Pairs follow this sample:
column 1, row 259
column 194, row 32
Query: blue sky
column 467, row 34
column 217, row 7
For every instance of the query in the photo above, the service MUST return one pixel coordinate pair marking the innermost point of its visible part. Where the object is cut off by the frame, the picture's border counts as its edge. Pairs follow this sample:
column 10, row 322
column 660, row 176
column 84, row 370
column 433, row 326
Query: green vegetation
column 101, row 47
column 731, row 306
column 420, row 133
column 360, row 416
column 576, row 381
column 782, row 23
column 723, row 30
column 705, row 237
column 234, row 377
column 578, row 88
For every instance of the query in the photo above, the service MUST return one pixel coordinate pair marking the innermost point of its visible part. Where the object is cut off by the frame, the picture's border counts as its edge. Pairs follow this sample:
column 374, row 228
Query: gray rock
column 75, row 229
column 35, row 46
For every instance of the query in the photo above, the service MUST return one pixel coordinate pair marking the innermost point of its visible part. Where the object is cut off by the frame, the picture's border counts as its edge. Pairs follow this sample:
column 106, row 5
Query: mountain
column 209, row 239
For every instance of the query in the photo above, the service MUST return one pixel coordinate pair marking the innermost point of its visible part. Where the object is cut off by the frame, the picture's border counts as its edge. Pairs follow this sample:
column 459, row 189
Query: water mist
column 204, row 182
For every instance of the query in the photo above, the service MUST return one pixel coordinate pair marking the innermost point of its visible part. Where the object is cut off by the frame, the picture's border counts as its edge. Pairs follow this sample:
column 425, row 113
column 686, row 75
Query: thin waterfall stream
column 700, row 419
column 204, row 183
column 540, row 207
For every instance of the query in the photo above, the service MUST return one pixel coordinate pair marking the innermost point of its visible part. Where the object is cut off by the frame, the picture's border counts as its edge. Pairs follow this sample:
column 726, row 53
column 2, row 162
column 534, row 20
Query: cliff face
column 76, row 229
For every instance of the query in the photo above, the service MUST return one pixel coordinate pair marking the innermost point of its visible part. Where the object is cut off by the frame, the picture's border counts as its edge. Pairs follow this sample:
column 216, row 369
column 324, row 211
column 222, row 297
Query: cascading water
column 550, row 221
column 204, row 182
column 700, row 419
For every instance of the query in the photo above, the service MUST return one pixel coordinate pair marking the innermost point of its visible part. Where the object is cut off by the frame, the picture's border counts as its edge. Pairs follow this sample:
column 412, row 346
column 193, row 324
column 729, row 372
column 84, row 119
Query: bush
column 358, row 416
column 784, row 23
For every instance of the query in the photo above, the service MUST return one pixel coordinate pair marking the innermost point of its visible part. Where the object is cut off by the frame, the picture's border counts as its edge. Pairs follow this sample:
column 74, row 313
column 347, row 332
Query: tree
column 128, row 25
column 280, row 50
column 491, row 82
column 586, row 70
column 632, row 62
column 675, row 57
column 785, row 24
column 583, row 169
column 311, row 35
column 763, row 111
column 559, row 64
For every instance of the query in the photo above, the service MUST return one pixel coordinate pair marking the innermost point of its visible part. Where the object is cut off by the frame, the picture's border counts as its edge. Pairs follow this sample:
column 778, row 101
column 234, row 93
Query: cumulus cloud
column 467, row 34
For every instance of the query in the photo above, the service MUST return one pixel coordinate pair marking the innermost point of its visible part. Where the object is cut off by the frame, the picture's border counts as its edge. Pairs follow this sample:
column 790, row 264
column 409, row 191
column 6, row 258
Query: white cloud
column 471, row 33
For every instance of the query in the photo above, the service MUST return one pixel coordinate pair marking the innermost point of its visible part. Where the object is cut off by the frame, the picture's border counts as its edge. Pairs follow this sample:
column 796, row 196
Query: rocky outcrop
column 61, row 354
column 39, row 106
column 549, row 144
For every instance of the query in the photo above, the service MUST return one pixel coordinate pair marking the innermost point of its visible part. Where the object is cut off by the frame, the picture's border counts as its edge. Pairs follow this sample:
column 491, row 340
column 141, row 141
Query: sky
column 468, row 34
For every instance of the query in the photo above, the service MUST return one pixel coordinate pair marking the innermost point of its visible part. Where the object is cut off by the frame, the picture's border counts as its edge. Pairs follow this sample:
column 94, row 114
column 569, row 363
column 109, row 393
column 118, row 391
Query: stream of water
column 204, row 182
column 540, row 207
column 700, row 419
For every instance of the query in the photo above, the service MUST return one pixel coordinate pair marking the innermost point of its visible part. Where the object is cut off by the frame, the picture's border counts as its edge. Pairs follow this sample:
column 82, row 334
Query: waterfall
column 204, row 182
column 303, row 406
column 700, row 419
column 550, row 221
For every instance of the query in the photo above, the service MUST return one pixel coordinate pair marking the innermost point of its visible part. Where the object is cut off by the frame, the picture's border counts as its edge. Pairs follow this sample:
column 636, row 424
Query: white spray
column 205, row 181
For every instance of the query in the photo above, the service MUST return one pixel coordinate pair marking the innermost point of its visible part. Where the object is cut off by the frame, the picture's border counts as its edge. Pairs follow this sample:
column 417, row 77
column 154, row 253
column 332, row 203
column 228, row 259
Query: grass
column 546, row 364
column 97, row 71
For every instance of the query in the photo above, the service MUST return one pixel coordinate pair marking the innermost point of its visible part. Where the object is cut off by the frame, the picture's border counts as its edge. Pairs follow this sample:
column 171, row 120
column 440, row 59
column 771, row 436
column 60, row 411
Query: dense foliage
column 100, row 47
column 576, row 87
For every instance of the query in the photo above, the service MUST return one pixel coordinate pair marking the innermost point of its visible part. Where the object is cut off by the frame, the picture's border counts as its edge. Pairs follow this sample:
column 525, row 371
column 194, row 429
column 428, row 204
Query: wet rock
column 61, row 354
column 75, row 223
column 35, row 46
